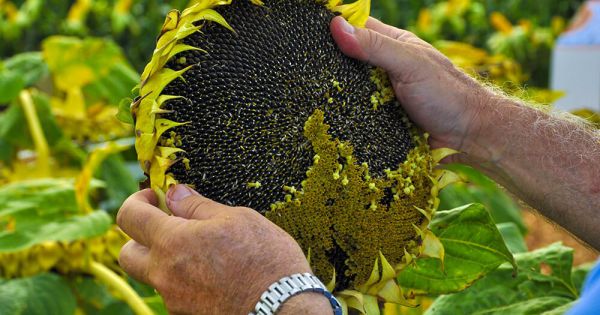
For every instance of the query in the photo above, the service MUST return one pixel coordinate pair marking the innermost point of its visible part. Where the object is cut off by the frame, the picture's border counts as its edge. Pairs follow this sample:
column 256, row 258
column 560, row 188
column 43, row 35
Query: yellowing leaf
column 76, row 62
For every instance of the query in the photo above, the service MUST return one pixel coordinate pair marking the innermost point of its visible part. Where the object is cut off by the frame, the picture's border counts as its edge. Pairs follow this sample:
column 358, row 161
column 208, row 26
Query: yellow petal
column 354, row 300
column 165, row 152
column 387, row 271
column 356, row 13
column 371, row 305
column 441, row 153
column 211, row 15
column 432, row 246
column 331, row 285
column 448, row 178
column 426, row 214
column 163, row 125
column 373, row 278
column 181, row 48
column 171, row 21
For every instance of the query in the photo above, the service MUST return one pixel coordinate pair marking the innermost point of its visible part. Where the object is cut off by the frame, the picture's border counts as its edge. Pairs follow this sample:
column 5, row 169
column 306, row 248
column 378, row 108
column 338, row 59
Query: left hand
column 208, row 258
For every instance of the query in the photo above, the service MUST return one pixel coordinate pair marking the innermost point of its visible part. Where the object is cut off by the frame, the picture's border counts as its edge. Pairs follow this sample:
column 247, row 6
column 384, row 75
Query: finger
column 135, row 259
column 396, row 57
column 395, row 33
column 140, row 218
column 187, row 203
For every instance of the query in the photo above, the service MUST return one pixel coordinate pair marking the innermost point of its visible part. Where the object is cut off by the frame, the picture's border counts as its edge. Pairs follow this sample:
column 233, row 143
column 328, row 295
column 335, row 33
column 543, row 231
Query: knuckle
column 404, row 35
column 244, row 212
column 375, row 40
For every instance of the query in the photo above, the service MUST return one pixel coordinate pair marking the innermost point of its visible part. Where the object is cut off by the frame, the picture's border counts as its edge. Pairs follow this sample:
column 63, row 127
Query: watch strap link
column 286, row 287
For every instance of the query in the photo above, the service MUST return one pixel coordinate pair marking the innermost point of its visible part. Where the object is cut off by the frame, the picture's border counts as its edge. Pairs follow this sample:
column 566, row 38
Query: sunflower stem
column 111, row 279
column 37, row 133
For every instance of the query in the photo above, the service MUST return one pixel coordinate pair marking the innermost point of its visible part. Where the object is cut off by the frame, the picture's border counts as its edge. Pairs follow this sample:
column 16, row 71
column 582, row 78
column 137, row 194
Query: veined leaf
column 39, row 295
column 42, row 198
column 67, row 230
column 542, row 284
column 45, row 210
column 473, row 247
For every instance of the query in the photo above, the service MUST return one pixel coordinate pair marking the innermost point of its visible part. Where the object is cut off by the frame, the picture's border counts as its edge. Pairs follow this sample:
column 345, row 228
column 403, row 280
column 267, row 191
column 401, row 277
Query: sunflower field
column 69, row 72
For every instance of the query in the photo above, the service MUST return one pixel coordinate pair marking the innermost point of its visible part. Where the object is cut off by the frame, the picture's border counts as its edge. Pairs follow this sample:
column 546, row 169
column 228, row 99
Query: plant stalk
column 111, row 279
column 37, row 133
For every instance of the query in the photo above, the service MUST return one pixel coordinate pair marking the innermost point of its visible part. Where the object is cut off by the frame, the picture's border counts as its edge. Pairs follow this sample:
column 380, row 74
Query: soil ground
column 543, row 232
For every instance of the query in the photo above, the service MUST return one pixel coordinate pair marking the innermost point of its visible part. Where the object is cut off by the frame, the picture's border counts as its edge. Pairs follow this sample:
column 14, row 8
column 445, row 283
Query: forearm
column 551, row 163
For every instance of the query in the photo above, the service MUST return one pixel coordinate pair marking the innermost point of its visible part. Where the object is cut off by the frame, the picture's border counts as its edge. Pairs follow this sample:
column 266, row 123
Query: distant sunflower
column 253, row 104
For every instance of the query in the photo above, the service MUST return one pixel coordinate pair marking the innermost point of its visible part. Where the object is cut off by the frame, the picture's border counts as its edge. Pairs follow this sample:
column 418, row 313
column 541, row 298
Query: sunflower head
column 253, row 104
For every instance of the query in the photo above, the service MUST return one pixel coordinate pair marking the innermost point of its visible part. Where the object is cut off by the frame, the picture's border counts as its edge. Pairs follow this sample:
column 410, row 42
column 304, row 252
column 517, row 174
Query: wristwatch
column 286, row 287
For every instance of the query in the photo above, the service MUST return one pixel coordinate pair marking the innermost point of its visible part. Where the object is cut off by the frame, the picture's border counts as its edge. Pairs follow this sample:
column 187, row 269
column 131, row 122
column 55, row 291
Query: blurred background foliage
column 66, row 162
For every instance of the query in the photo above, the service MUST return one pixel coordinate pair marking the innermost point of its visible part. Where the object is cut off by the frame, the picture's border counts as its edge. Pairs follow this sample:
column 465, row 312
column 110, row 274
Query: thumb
column 187, row 203
column 394, row 56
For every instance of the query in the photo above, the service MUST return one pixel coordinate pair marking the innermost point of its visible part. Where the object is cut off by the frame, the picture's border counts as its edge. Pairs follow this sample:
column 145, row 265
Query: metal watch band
column 286, row 287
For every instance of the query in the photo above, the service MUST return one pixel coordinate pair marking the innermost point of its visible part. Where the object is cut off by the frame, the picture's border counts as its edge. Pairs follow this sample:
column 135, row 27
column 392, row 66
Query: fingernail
column 180, row 192
column 347, row 27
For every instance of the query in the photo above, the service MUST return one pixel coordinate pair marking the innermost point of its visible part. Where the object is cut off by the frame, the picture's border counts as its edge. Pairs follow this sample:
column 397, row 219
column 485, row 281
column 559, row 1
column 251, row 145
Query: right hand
column 438, row 97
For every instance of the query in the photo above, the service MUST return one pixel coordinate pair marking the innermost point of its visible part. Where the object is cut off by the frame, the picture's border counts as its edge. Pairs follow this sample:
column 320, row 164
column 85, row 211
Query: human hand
column 516, row 145
column 439, row 98
column 208, row 258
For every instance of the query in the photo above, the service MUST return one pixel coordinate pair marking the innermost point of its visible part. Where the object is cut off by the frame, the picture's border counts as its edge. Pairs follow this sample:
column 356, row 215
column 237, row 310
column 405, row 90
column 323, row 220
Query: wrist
column 311, row 291
column 309, row 303
column 485, row 137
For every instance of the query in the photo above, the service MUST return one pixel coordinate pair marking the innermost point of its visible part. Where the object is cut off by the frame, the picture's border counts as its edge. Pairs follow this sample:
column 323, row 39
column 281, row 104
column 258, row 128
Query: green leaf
column 481, row 189
column 95, row 299
column 14, row 127
column 542, row 283
column 30, row 66
column 36, row 201
column 43, row 294
column 532, row 307
column 579, row 274
column 19, row 72
column 11, row 83
column 473, row 247
column 67, row 230
column 124, row 114
column 45, row 210
column 120, row 183
column 561, row 310
column 154, row 301
column 107, row 76
column 513, row 237
column 6, row 150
